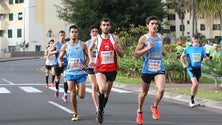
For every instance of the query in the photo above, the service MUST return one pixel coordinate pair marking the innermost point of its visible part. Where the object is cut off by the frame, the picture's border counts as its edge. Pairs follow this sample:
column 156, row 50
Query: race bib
column 74, row 64
column 196, row 57
column 107, row 57
column 154, row 65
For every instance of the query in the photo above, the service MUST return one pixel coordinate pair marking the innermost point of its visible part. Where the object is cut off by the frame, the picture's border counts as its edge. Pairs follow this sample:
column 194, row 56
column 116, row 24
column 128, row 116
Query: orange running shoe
column 155, row 112
column 46, row 85
column 53, row 84
column 139, row 118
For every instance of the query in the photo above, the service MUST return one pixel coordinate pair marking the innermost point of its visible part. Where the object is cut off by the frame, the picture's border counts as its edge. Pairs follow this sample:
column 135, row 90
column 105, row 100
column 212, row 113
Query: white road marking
column 4, row 90
column 11, row 83
column 30, row 89
column 61, row 107
column 120, row 90
column 54, row 89
column 88, row 90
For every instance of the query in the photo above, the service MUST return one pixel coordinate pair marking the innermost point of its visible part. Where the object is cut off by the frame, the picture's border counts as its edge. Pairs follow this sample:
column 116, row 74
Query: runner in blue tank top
column 194, row 54
column 77, row 56
column 59, row 70
column 150, row 48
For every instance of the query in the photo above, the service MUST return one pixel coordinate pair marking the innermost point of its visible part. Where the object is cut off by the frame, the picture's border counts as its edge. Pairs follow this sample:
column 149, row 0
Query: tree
column 24, row 45
column 122, row 12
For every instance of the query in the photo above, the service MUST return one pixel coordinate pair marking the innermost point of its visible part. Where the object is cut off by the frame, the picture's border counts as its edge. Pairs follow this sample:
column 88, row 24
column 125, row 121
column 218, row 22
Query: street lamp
column 50, row 33
column 24, row 20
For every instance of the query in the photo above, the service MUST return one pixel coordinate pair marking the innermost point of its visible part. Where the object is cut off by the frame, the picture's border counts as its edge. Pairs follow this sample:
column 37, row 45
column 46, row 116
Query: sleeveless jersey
column 50, row 60
column 106, row 60
column 76, row 58
column 195, row 56
column 152, row 59
column 58, row 47
column 93, row 54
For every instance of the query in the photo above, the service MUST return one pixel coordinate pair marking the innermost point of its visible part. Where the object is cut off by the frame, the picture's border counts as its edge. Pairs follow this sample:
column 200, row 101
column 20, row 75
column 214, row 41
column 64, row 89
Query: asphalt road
column 25, row 101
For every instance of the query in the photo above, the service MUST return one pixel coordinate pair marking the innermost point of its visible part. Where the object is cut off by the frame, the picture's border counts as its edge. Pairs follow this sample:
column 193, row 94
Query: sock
column 101, row 100
column 46, row 79
column 65, row 87
column 57, row 85
column 105, row 101
column 192, row 98
column 53, row 78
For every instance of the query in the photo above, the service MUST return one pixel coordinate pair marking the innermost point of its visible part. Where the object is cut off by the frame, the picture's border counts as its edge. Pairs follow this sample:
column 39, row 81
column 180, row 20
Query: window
column 170, row 6
column 20, row 16
column 19, row 33
column 19, row 1
column 171, row 17
column 9, row 33
column 217, row 16
column 10, row 2
column 188, row 33
column 182, row 27
column 202, row 27
column 172, row 28
column 216, row 26
column 10, row 16
column 188, row 22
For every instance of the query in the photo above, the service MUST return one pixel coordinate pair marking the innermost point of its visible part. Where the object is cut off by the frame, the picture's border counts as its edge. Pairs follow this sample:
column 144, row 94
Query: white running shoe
column 192, row 104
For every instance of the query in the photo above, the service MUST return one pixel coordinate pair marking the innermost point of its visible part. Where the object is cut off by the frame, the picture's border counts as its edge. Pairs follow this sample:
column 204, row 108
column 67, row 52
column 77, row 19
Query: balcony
column 2, row 9
column 2, row 25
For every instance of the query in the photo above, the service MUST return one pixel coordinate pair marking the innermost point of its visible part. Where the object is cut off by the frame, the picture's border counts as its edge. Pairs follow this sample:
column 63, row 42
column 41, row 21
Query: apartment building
column 32, row 21
column 209, row 27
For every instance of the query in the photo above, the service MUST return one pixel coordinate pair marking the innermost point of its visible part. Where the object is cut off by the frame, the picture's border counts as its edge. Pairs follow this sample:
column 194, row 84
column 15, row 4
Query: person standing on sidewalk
column 91, row 74
column 59, row 70
column 195, row 55
column 150, row 48
column 106, row 64
column 49, row 62
column 77, row 56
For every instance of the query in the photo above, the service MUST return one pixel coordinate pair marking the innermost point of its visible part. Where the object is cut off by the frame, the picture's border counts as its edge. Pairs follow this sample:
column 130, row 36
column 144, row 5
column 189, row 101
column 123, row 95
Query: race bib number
column 74, row 64
column 154, row 65
column 196, row 57
column 107, row 57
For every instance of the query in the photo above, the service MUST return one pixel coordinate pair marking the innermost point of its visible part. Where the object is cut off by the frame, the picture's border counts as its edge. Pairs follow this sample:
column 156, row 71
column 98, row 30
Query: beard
column 73, row 39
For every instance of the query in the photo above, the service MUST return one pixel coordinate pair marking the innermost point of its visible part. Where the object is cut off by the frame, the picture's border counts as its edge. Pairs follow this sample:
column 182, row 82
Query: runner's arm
column 118, row 47
column 62, row 52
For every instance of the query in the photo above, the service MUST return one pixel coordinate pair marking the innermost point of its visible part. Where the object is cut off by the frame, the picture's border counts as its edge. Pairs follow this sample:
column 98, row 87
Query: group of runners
column 98, row 58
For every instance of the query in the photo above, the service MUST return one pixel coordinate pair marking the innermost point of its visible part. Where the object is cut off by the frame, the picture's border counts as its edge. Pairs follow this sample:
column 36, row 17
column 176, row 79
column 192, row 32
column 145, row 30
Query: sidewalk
column 172, row 96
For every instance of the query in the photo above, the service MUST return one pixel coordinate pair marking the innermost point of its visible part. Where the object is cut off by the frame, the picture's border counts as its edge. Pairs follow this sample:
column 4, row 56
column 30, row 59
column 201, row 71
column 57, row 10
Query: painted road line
column 11, row 83
column 61, row 107
column 120, row 90
column 4, row 90
column 30, row 89
column 54, row 89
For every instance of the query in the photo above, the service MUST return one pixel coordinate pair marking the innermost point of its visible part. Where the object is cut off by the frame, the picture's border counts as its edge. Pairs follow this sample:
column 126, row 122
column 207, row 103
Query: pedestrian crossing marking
column 54, row 89
column 4, row 90
column 30, row 89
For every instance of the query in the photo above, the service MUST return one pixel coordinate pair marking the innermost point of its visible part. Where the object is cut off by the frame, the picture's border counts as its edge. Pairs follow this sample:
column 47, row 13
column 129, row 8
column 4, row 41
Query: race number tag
column 154, row 65
column 107, row 57
column 74, row 64
column 196, row 57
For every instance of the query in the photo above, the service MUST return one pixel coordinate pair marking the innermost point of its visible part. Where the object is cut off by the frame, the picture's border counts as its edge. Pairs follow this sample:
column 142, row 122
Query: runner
column 106, row 65
column 50, row 59
column 150, row 48
column 77, row 56
column 91, row 74
column 59, row 70
column 195, row 55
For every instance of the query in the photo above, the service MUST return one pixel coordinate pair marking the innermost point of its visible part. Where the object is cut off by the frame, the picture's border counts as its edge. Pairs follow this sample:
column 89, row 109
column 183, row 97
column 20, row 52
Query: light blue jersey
column 76, row 59
column 58, row 47
column 152, row 59
column 93, row 54
column 195, row 56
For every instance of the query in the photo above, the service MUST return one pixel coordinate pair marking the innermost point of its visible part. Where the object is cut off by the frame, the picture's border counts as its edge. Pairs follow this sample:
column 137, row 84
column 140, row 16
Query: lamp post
column 24, row 21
